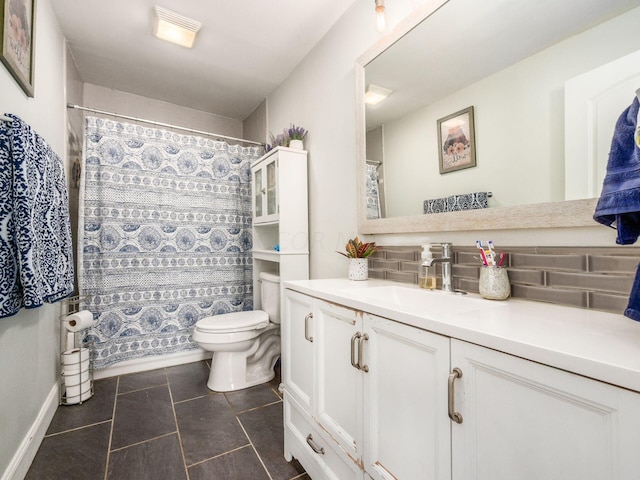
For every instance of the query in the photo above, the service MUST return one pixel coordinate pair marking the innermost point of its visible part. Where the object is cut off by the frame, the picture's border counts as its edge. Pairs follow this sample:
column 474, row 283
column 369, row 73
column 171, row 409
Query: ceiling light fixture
column 175, row 28
column 375, row 94
column 381, row 23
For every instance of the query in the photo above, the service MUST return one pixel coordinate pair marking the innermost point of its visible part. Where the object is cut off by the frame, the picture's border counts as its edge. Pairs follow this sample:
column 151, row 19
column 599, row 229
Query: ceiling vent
column 175, row 28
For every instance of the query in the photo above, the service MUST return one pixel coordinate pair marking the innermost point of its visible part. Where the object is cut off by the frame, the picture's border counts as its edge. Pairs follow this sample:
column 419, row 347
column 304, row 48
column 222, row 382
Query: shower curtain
column 165, row 237
column 372, row 192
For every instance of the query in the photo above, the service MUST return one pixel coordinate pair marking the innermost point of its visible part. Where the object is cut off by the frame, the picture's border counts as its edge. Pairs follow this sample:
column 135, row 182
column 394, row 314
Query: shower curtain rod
column 160, row 124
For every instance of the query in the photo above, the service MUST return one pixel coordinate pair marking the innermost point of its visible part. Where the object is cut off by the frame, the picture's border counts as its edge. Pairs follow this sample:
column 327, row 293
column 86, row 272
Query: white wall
column 123, row 103
column 320, row 95
column 29, row 341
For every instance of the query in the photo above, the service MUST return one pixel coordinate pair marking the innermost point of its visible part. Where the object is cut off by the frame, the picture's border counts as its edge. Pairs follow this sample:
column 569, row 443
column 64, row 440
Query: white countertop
column 599, row 345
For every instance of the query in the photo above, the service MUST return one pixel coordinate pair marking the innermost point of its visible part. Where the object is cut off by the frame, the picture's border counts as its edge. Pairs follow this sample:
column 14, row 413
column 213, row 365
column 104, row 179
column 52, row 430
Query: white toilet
column 245, row 345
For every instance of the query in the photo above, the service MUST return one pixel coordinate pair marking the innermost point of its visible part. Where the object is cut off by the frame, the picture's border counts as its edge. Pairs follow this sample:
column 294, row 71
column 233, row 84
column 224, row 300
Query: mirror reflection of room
column 543, row 110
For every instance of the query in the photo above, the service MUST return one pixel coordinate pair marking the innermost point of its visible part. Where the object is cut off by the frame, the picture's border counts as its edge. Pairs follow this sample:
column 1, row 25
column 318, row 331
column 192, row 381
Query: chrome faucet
column 446, row 260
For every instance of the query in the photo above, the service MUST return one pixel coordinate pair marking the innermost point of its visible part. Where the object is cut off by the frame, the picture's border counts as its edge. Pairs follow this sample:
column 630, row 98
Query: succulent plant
column 356, row 249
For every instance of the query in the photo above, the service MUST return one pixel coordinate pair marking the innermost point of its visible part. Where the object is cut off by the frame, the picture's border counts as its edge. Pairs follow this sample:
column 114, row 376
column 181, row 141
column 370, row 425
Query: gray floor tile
column 145, row 443
column 208, row 428
column 188, row 381
column 98, row 408
column 264, row 427
column 159, row 458
column 76, row 455
column 138, row 381
column 240, row 464
column 142, row 415
column 252, row 397
column 275, row 382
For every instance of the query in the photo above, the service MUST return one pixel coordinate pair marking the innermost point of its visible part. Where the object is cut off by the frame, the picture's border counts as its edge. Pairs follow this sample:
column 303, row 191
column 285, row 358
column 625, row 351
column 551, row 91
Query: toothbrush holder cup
column 494, row 283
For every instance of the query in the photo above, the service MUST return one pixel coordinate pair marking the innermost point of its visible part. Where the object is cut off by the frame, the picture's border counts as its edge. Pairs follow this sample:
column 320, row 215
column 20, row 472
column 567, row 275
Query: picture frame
column 456, row 141
column 17, row 40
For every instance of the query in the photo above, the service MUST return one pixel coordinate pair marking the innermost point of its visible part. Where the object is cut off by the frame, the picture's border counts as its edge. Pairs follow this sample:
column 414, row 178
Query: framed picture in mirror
column 16, row 40
column 456, row 141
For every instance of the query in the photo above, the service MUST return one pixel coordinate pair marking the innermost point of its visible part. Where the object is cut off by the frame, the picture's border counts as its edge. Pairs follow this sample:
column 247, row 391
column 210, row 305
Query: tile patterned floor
column 165, row 424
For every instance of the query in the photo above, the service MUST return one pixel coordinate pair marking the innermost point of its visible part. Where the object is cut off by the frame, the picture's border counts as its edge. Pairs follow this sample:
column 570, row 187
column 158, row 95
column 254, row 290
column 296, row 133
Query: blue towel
column 633, row 308
column 619, row 202
column 40, row 225
column 10, row 289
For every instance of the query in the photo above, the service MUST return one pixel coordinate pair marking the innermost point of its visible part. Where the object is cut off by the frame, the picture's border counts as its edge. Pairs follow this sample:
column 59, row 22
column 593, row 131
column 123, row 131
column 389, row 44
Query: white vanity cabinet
column 378, row 387
column 524, row 420
column 369, row 397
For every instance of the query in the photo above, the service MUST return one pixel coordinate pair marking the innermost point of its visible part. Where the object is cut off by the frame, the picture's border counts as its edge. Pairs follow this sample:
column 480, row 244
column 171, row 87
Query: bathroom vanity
column 388, row 381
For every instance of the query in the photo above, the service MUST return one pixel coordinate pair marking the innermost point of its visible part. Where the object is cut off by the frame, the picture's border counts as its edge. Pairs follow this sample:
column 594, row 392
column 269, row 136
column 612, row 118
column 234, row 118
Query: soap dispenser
column 427, row 273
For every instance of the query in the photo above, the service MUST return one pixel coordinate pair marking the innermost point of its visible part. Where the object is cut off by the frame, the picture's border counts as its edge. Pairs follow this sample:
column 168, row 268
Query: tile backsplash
column 585, row 277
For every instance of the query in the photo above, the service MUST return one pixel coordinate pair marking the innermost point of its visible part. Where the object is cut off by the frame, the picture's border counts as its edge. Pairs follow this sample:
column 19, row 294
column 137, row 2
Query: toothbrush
column 501, row 259
column 482, row 252
column 490, row 255
column 484, row 257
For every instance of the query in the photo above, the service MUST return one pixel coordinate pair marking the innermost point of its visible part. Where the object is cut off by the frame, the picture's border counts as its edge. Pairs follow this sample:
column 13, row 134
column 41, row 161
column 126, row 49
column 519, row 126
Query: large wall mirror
column 546, row 80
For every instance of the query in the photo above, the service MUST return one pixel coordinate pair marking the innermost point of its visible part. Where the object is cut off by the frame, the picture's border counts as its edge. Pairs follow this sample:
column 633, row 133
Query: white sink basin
column 422, row 301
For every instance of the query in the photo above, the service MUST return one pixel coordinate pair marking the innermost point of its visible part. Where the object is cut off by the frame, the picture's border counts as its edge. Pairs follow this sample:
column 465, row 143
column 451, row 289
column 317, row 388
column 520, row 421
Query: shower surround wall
column 166, row 238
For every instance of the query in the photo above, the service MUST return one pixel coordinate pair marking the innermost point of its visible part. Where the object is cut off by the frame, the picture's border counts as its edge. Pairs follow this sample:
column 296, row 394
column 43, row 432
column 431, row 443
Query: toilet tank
column 270, row 289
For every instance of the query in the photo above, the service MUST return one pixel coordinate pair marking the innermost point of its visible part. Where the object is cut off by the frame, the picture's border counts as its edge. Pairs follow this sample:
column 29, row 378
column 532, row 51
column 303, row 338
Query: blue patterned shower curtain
column 165, row 237
column 372, row 191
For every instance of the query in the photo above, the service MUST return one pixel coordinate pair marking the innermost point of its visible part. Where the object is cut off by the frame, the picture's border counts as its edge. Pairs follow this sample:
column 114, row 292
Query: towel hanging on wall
column 619, row 203
column 10, row 290
column 36, row 229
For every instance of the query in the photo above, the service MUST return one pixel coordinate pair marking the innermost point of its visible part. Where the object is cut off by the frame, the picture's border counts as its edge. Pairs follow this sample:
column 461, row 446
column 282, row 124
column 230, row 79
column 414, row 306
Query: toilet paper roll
column 68, row 370
column 78, row 393
column 78, row 321
column 75, row 378
column 75, row 357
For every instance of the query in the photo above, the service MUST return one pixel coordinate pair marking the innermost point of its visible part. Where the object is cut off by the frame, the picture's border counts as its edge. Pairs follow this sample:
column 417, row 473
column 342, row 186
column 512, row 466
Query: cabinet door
column 339, row 382
column 407, row 430
column 527, row 421
column 272, row 188
column 258, row 193
column 298, row 335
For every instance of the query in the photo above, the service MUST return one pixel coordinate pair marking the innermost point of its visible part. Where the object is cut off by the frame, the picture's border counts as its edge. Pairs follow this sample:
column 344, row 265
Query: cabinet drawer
column 325, row 463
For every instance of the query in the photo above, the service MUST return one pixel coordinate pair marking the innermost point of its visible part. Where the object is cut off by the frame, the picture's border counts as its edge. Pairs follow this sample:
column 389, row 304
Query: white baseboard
column 151, row 363
column 21, row 461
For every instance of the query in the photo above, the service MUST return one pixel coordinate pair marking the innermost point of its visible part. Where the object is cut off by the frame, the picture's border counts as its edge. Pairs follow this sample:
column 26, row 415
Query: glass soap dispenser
column 427, row 273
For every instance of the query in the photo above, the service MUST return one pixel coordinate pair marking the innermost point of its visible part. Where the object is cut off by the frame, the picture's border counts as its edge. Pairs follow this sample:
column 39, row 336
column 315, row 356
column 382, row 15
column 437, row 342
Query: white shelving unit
column 280, row 217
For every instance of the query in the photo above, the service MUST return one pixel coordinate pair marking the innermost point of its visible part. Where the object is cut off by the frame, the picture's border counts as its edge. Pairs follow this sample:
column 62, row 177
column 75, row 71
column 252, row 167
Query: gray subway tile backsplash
column 549, row 261
column 590, row 281
column 586, row 277
column 574, row 298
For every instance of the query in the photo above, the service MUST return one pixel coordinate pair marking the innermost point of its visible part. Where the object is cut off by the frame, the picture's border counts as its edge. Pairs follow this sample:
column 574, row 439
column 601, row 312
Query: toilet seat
column 234, row 322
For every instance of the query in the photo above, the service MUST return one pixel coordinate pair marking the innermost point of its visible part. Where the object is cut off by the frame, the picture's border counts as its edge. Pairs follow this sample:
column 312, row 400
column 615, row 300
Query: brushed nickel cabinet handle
column 313, row 446
column 362, row 367
column 306, row 327
column 453, row 415
column 354, row 339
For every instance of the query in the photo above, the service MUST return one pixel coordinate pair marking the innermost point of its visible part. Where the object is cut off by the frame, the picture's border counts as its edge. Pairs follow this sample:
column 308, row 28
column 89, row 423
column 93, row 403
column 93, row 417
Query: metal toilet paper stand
column 76, row 361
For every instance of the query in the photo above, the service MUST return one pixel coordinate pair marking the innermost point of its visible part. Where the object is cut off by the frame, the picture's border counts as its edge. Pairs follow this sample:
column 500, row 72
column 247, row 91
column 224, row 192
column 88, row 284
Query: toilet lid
column 234, row 322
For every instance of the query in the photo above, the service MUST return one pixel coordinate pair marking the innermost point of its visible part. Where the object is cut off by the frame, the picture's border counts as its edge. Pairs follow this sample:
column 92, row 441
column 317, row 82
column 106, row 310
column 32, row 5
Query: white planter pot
column 296, row 144
column 358, row 269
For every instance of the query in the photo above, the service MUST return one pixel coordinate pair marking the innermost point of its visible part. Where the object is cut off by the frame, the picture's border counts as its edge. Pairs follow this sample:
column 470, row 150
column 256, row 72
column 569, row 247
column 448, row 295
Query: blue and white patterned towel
column 456, row 203
column 38, row 228
column 10, row 290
